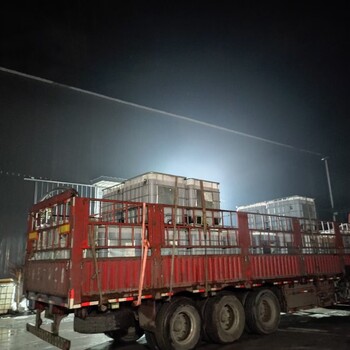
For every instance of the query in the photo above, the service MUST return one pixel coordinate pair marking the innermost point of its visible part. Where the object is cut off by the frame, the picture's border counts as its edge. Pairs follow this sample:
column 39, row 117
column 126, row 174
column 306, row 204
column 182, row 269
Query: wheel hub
column 226, row 317
column 181, row 327
column 264, row 311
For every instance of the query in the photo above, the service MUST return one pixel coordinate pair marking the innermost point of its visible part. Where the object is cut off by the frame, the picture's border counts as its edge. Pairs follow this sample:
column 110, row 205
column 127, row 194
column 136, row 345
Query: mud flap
column 49, row 337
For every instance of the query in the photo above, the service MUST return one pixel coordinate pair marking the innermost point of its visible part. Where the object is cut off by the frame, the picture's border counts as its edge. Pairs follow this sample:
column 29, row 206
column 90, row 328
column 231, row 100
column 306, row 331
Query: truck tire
column 202, row 305
column 262, row 311
column 178, row 325
column 224, row 319
column 126, row 336
column 151, row 340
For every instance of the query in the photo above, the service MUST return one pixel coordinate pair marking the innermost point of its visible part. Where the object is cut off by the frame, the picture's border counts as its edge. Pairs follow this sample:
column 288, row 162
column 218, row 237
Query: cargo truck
column 206, row 274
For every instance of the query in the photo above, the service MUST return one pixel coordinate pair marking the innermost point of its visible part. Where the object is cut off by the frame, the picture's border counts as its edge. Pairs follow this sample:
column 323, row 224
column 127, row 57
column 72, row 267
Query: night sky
column 276, row 70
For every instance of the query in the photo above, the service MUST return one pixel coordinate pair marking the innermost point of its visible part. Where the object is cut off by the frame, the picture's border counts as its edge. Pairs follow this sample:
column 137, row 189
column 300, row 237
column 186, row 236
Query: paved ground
column 320, row 329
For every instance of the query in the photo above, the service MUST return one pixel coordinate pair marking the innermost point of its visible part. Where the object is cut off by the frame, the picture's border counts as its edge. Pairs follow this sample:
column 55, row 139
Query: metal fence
column 48, row 188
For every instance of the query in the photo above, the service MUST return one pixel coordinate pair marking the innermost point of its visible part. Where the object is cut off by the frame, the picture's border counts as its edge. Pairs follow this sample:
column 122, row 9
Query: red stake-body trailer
column 125, row 269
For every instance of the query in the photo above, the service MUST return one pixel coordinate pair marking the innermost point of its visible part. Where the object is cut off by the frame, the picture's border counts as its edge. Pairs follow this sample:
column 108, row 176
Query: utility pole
column 325, row 159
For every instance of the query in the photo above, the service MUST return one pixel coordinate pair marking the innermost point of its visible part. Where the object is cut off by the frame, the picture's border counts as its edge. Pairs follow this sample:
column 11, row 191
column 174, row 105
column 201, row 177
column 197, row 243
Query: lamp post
column 325, row 159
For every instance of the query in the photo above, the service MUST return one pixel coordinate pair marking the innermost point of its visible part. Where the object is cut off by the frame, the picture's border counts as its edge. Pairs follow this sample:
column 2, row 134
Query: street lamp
column 325, row 159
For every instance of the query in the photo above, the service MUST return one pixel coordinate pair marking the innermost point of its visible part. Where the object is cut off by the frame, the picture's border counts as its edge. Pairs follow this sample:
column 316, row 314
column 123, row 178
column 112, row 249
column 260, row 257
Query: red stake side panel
column 274, row 266
column 49, row 238
column 347, row 260
column 322, row 264
column 231, row 253
column 190, row 270
column 120, row 276
column 50, row 278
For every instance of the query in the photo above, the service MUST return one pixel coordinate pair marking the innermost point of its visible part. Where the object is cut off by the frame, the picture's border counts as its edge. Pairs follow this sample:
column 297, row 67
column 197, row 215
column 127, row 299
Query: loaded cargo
column 159, row 188
column 297, row 206
column 7, row 294
column 167, row 262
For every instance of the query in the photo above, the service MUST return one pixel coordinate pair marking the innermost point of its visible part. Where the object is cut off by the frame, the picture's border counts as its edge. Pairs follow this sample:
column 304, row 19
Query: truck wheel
column 151, row 340
column 178, row 325
column 224, row 318
column 262, row 310
column 202, row 305
column 126, row 336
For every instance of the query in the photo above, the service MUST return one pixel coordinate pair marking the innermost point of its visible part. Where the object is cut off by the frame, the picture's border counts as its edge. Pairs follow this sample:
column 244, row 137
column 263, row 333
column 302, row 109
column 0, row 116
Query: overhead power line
column 165, row 113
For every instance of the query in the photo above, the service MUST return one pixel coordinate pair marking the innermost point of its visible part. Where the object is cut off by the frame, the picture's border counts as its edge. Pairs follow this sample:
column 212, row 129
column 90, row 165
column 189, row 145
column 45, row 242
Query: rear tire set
column 262, row 310
column 126, row 336
column 179, row 325
column 224, row 319
column 130, row 334
column 151, row 340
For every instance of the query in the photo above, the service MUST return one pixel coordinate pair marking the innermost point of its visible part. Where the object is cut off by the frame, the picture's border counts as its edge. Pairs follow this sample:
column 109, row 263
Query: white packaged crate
column 7, row 295
column 260, row 208
column 211, row 193
column 126, row 239
column 150, row 188
column 159, row 188
column 295, row 206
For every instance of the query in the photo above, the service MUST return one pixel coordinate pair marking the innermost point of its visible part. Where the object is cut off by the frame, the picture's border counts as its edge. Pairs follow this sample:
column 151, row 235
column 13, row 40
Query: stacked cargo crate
column 159, row 188
column 7, row 295
column 269, row 226
column 149, row 188
column 295, row 206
